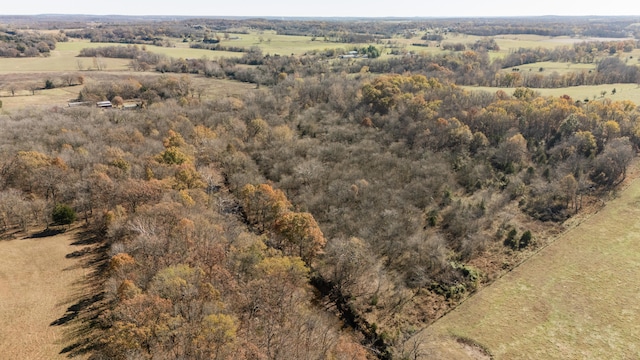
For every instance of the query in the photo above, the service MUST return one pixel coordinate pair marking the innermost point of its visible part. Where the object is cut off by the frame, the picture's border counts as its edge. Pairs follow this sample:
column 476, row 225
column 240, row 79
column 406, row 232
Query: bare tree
column 99, row 63
column 611, row 165
column 412, row 349
column 13, row 87
column 69, row 79
column 33, row 87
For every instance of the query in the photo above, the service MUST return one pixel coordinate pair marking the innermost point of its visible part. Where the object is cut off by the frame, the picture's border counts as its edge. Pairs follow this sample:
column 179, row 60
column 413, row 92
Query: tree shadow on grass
column 76, row 309
column 46, row 233
column 15, row 233
column 80, row 321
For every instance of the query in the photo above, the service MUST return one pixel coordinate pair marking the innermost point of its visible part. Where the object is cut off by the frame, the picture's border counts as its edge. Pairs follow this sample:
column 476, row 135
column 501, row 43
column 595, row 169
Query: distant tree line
column 141, row 59
column 27, row 44
column 123, row 52
column 217, row 47
column 616, row 27
column 146, row 35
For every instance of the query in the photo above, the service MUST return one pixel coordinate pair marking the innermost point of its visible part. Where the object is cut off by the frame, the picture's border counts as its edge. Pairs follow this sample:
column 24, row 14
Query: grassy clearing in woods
column 38, row 282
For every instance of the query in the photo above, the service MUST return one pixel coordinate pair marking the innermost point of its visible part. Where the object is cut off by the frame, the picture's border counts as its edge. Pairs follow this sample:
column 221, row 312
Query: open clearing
column 180, row 50
column 576, row 299
column 590, row 92
column 65, row 58
column 37, row 285
column 272, row 43
column 208, row 88
column 58, row 61
column 548, row 67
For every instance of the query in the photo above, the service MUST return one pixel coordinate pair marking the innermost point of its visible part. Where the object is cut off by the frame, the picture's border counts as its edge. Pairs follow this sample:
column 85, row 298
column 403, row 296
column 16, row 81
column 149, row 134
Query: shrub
column 511, row 240
column 63, row 214
column 525, row 239
column 432, row 218
column 117, row 101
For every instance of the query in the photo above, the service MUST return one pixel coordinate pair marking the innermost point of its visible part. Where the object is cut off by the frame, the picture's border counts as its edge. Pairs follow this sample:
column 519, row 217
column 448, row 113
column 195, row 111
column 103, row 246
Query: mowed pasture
column 58, row 61
column 268, row 41
column 51, row 97
column 38, row 282
column 577, row 298
column 591, row 92
column 207, row 89
column 548, row 67
column 272, row 43
column 179, row 50
column 65, row 58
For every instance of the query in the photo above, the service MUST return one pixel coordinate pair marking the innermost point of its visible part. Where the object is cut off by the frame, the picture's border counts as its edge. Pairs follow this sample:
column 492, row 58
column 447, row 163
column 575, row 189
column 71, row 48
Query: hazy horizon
column 328, row 8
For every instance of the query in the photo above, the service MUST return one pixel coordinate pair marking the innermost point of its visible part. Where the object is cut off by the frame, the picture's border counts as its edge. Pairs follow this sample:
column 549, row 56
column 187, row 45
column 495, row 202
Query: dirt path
column 38, row 282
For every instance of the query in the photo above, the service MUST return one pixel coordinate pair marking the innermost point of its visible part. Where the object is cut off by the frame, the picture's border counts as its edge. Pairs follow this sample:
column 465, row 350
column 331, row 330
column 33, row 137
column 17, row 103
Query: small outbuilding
column 104, row 104
column 79, row 103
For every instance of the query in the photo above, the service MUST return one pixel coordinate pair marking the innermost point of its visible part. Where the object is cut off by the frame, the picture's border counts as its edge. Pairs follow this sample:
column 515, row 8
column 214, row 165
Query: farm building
column 130, row 106
column 104, row 104
column 79, row 103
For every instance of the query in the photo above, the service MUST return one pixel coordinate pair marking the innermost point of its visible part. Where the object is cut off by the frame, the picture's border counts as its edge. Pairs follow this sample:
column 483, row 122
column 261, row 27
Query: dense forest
column 329, row 213
column 240, row 227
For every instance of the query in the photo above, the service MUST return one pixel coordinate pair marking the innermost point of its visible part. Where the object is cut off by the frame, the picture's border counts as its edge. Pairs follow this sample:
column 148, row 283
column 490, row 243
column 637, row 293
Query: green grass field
column 272, row 43
column 576, row 299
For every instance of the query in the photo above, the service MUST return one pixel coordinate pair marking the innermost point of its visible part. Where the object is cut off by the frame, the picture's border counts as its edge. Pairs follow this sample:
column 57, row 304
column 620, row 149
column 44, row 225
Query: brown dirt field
column 38, row 282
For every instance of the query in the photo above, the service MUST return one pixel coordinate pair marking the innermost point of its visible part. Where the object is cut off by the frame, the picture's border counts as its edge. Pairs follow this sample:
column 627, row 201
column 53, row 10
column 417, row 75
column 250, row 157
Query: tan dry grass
column 549, row 67
column 65, row 58
column 591, row 92
column 58, row 61
column 207, row 88
column 37, row 284
column 180, row 50
column 576, row 299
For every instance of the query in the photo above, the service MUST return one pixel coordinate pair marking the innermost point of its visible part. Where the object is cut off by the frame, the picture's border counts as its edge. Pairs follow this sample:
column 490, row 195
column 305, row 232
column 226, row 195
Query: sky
column 324, row 8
